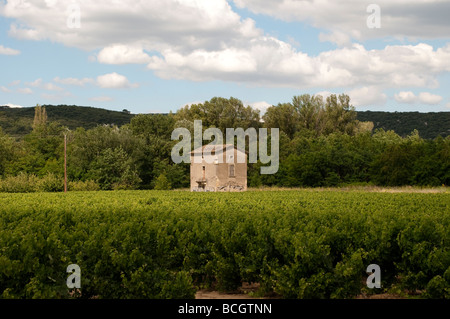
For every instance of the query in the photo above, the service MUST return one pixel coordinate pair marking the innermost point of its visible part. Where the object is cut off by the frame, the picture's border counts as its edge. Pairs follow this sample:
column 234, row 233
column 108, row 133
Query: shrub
column 83, row 186
column 162, row 183
column 50, row 183
column 22, row 183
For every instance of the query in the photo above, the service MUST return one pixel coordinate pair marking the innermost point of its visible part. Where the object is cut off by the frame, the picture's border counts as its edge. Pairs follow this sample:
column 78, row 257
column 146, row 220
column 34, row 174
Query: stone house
column 216, row 172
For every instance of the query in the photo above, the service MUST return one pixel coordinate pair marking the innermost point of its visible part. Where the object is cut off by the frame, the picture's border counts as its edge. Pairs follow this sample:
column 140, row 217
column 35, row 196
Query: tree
column 156, row 131
column 40, row 117
column 114, row 169
column 283, row 116
column 312, row 114
column 87, row 145
column 162, row 183
column 221, row 113
column 6, row 151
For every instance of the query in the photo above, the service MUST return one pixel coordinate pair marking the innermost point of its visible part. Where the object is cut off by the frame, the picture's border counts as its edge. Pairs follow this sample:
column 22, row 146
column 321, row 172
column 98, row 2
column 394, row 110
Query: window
column 231, row 172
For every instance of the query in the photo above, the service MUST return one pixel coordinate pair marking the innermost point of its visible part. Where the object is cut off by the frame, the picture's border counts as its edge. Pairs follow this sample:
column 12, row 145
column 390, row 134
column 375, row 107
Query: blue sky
column 157, row 56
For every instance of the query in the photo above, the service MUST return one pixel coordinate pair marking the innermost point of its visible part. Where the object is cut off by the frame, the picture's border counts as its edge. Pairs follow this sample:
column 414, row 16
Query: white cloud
column 155, row 25
column 8, row 51
column 35, row 83
column 14, row 83
column 114, row 81
column 366, row 96
column 400, row 18
column 123, row 54
column 204, row 40
column 25, row 91
column 405, row 97
column 431, row 99
column 447, row 105
column 424, row 97
column 261, row 106
column 73, row 81
column 340, row 38
column 39, row 83
column 14, row 106
column 5, row 89
column 269, row 61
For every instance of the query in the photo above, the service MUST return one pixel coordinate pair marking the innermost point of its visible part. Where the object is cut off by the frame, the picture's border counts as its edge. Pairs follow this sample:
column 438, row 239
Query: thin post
column 65, row 162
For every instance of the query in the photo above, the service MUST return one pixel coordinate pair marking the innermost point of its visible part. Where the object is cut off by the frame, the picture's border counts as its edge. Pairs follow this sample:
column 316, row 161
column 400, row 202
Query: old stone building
column 218, row 171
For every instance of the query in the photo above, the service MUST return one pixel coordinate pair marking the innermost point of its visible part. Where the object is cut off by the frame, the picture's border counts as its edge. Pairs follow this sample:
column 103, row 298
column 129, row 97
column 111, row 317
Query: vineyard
column 169, row 244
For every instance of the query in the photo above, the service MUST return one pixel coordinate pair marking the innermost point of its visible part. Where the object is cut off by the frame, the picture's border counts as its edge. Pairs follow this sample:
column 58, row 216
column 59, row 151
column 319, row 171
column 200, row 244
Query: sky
column 159, row 55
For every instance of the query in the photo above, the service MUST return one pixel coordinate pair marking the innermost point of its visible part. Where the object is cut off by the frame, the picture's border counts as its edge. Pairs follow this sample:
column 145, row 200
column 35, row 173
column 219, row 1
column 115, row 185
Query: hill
column 429, row 125
column 17, row 121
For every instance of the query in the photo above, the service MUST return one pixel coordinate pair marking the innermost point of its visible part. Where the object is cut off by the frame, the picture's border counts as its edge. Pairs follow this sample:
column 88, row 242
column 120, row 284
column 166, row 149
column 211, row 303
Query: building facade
column 218, row 171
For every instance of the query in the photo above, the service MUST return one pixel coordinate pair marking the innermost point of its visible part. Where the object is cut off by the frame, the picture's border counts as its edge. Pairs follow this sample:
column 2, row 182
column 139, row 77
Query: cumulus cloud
column 123, row 54
column 405, row 97
column 114, row 81
column 367, row 96
column 424, row 97
column 206, row 40
column 426, row 19
column 158, row 24
column 8, row 51
column 337, row 37
column 269, row 61
column 73, row 81
column 5, row 89
column 431, row 99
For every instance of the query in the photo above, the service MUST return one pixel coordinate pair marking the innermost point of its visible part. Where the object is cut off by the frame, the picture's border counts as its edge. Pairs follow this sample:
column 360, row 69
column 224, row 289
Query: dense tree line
column 18, row 121
column 322, row 143
column 430, row 125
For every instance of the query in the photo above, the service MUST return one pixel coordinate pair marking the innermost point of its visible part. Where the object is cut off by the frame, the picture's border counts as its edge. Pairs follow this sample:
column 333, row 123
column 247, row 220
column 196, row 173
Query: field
column 170, row 244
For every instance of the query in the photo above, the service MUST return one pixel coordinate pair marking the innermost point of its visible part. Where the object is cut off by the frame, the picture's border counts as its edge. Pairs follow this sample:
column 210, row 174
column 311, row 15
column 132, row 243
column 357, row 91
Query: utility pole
column 65, row 162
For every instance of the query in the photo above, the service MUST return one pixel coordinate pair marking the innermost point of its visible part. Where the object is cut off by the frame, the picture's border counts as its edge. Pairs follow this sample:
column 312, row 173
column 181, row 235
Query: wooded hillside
column 17, row 121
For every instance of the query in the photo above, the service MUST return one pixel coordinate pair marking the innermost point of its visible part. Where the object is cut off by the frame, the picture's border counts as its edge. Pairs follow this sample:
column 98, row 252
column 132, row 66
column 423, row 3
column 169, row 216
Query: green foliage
column 162, row 183
column 22, row 183
column 430, row 124
column 6, row 151
column 221, row 113
column 313, row 114
column 19, row 121
column 96, row 153
column 158, row 244
column 51, row 183
column 29, row 183
column 83, row 186
column 113, row 169
column 322, row 143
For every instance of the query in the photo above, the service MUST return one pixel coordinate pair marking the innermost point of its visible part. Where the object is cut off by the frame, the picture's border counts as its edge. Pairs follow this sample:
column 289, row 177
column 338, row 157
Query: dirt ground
column 243, row 293
column 205, row 294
